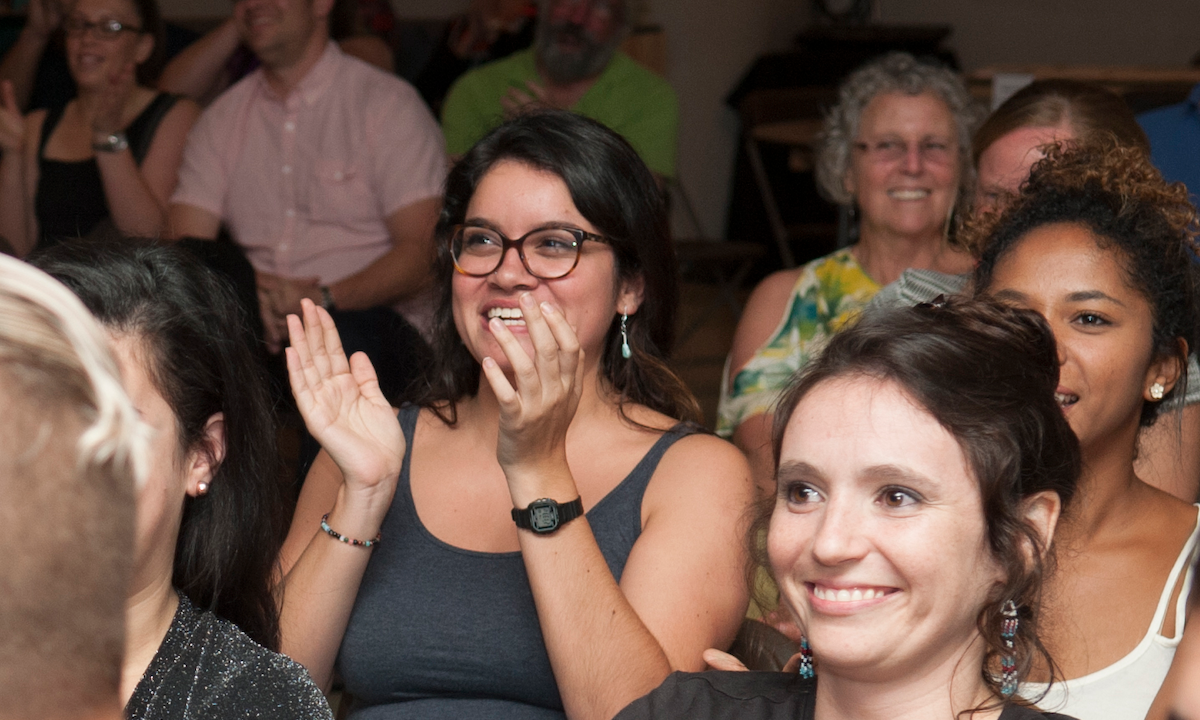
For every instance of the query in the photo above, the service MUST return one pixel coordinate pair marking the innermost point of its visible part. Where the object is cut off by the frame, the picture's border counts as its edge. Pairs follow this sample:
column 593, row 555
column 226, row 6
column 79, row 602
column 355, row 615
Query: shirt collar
column 1194, row 96
column 314, row 84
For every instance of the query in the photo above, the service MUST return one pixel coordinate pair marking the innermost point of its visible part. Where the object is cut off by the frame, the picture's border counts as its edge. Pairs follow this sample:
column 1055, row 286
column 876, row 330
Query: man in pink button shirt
column 327, row 171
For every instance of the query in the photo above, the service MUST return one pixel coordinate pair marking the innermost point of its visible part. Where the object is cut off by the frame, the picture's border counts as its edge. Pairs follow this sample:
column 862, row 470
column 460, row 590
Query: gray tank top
column 442, row 632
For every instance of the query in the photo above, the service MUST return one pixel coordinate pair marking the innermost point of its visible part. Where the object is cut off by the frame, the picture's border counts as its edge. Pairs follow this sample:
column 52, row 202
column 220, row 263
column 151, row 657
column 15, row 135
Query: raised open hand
column 535, row 415
column 44, row 16
column 342, row 405
column 12, row 122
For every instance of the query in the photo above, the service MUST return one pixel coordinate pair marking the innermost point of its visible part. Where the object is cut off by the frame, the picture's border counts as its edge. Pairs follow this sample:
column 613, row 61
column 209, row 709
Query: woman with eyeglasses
column 108, row 157
column 542, row 536
column 894, row 150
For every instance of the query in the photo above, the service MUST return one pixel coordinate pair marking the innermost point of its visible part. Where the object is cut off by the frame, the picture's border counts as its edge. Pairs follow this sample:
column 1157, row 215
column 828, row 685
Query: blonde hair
column 71, row 449
column 44, row 326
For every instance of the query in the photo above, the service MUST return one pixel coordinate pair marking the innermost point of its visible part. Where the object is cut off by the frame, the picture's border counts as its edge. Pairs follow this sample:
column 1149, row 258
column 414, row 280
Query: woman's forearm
column 603, row 655
column 13, row 203
column 134, row 209
column 199, row 67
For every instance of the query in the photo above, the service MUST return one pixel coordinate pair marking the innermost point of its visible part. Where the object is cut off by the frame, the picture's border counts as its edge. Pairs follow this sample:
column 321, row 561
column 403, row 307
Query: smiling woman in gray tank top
column 542, row 535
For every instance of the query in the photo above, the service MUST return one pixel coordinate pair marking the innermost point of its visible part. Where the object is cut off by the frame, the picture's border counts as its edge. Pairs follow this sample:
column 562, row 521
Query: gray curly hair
column 895, row 72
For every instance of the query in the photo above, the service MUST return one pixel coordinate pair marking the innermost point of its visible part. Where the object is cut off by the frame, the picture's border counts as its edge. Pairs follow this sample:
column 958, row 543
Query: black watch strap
column 544, row 516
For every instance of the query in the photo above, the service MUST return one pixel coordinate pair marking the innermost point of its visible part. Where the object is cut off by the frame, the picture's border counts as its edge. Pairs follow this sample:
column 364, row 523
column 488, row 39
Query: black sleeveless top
column 70, row 194
column 442, row 632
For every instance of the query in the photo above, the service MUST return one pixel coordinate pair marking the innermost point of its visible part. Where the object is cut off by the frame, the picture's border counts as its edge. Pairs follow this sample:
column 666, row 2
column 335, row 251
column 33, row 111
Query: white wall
column 1091, row 32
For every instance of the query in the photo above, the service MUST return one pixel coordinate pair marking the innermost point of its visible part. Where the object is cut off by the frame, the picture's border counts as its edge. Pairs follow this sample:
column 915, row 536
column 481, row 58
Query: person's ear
column 205, row 459
column 1164, row 373
column 1041, row 511
column 631, row 294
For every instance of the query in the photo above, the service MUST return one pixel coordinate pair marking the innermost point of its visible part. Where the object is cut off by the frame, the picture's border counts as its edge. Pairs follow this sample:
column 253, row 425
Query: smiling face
column 279, row 31
column 94, row 60
column 877, row 539
column 1005, row 164
column 514, row 199
column 907, row 193
column 1103, row 328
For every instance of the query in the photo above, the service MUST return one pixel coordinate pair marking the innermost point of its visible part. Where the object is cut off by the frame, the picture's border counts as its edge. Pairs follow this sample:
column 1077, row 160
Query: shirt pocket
column 341, row 195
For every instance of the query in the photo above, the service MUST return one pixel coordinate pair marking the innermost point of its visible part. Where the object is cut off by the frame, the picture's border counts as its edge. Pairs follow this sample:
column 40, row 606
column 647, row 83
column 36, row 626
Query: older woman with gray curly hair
column 895, row 151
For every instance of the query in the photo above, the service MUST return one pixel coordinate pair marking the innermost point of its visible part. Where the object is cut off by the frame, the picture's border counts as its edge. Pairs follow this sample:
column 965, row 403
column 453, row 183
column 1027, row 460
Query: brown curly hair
column 1112, row 190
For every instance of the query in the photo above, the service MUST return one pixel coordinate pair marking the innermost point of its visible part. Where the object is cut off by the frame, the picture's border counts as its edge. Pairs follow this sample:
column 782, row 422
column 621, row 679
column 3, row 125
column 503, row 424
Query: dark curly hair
column 1112, row 190
column 987, row 373
column 613, row 189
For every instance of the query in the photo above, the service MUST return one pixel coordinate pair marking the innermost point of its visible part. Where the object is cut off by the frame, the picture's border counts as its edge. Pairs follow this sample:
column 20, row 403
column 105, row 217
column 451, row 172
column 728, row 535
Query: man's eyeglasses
column 102, row 29
column 936, row 152
column 548, row 253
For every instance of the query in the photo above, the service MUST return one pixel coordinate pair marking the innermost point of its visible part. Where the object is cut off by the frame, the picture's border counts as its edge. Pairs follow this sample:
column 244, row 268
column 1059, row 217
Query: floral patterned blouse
column 830, row 292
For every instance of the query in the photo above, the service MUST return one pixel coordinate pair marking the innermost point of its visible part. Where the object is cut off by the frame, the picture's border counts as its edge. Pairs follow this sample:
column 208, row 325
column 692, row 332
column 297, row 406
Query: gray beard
column 565, row 67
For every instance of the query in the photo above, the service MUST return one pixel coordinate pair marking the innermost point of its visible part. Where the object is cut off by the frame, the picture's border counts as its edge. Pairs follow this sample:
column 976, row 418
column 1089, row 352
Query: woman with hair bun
column 923, row 463
column 1099, row 245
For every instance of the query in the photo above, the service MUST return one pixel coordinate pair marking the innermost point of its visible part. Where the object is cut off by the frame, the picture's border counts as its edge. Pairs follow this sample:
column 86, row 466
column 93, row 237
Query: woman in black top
column 201, row 616
column 112, row 153
column 923, row 463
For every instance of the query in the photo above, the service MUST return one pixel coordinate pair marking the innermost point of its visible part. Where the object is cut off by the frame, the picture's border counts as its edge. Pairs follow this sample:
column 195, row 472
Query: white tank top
column 1126, row 689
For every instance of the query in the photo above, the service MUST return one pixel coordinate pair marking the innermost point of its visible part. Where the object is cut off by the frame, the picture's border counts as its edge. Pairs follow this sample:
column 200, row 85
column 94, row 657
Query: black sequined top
column 208, row 669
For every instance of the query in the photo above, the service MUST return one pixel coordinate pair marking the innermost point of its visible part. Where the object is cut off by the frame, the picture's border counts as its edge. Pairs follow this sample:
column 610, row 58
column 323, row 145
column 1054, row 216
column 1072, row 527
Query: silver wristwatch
column 111, row 143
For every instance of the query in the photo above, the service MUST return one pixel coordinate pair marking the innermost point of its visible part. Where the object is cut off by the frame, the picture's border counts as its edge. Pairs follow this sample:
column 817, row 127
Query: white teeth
column 509, row 316
column 1064, row 399
column 846, row 595
column 908, row 194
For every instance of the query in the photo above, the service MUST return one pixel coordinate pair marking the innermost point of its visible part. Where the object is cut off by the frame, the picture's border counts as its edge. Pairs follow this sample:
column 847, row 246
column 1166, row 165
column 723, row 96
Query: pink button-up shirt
column 306, row 182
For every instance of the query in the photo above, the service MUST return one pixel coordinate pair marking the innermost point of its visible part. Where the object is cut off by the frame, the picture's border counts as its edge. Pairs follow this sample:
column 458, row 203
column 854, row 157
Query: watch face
column 543, row 516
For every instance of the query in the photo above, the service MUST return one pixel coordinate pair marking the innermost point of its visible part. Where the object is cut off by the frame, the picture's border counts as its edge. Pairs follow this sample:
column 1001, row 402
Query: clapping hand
column 516, row 101
column 535, row 415
column 109, row 112
column 342, row 405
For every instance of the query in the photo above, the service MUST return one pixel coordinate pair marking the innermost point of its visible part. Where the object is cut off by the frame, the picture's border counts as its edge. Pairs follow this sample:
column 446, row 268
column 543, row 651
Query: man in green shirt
column 575, row 65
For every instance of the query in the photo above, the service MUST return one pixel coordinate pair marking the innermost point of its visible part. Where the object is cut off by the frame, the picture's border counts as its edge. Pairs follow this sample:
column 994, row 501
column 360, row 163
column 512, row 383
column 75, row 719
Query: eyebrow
column 552, row 225
column 1079, row 296
column 888, row 473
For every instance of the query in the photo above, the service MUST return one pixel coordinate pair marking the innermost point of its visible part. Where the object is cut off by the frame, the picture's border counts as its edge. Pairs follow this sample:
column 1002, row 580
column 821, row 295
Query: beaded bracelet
column 342, row 538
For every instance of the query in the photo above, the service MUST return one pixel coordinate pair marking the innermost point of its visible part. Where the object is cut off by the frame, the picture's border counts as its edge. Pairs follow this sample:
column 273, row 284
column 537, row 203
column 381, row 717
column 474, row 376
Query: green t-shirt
column 628, row 98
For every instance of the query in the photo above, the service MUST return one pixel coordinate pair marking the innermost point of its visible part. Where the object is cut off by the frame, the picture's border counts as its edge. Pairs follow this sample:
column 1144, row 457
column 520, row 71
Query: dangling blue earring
column 806, row 660
column 625, row 351
column 1008, row 663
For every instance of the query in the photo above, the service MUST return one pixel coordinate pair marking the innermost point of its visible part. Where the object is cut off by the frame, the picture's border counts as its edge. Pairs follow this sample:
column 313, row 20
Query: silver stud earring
column 201, row 488
column 1156, row 391
column 625, row 351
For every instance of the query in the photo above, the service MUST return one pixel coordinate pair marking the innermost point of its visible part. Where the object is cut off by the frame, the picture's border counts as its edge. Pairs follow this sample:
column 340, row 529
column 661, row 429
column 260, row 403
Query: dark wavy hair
column 613, row 189
column 201, row 358
column 987, row 373
column 1112, row 190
